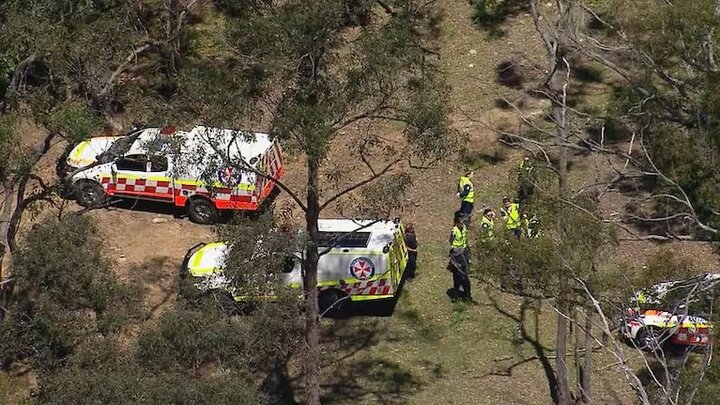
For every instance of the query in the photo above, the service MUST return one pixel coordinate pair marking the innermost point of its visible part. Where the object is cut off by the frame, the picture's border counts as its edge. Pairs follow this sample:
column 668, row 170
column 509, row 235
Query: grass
column 432, row 351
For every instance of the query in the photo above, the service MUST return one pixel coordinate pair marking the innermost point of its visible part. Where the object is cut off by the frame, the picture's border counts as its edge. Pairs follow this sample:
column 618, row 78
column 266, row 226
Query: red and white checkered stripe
column 224, row 197
column 161, row 187
column 369, row 287
column 217, row 193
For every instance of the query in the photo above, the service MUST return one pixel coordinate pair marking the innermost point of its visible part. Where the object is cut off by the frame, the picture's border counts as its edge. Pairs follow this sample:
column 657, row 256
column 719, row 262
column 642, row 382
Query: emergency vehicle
column 365, row 261
column 660, row 316
column 652, row 329
column 199, row 170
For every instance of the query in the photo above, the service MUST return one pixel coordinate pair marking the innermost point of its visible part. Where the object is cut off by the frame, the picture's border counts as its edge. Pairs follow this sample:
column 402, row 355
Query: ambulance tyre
column 334, row 303
column 202, row 211
column 649, row 339
column 90, row 194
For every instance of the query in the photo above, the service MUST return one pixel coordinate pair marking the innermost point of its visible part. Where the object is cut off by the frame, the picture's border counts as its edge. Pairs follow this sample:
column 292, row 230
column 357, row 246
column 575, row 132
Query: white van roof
column 243, row 143
column 373, row 235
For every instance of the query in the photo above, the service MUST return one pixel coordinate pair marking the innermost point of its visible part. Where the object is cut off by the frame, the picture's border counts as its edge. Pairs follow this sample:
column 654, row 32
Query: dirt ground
column 430, row 351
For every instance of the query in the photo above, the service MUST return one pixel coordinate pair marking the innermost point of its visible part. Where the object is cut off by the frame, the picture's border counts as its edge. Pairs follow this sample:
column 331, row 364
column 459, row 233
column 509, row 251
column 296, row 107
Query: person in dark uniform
column 412, row 247
column 459, row 263
column 526, row 180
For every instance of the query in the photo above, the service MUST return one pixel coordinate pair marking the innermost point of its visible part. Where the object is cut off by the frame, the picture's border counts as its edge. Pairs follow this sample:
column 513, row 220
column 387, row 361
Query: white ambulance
column 366, row 261
column 200, row 170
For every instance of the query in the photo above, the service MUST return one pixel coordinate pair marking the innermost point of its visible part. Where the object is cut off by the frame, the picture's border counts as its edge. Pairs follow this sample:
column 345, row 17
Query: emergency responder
column 412, row 247
column 511, row 214
column 487, row 225
column 459, row 262
column 466, row 192
column 526, row 180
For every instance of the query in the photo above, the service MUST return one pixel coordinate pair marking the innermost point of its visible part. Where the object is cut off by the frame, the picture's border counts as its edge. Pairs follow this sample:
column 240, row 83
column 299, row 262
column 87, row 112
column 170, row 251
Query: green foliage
column 190, row 337
column 571, row 246
column 675, row 63
column 64, row 293
column 6, row 72
column 666, row 265
column 690, row 377
column 490, row 14
column 8, row 135
column 74, row 121
column 329, row 82
column 128, row 384
column 255, row 266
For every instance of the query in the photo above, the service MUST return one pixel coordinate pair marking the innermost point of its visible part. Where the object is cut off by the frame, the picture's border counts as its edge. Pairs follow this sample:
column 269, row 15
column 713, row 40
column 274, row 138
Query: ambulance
column 365, row 261
column 659, row 315
column 652, row 329
column 206, row 171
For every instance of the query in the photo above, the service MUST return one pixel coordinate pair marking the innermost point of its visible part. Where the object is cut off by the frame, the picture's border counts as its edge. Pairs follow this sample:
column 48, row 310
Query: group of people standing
column 516, row 223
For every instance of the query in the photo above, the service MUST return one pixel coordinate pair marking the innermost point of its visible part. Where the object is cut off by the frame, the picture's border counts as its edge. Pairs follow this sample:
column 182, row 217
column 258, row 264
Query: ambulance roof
column 249, row 144
column 244, row 143
column 373, row 236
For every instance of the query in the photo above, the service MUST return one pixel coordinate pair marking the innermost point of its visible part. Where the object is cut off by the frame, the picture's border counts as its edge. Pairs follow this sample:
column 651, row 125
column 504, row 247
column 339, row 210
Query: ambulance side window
column 133, row 163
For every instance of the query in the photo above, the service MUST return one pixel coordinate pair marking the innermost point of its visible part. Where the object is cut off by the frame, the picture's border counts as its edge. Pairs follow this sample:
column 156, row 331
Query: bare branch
column 357, row 185
column 124, row 65
column 20, row 72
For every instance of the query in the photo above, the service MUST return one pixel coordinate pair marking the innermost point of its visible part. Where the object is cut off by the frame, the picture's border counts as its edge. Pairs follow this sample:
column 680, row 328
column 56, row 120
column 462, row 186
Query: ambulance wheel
column 90, row 194
column 202, row 211
column 334, row 303
column 649, row 339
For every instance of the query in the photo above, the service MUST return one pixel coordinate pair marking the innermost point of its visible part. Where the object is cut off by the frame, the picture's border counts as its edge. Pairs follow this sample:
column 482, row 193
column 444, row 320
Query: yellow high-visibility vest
column 488, row 234
column 470, row 197
column 513, row 216
column 459, row 237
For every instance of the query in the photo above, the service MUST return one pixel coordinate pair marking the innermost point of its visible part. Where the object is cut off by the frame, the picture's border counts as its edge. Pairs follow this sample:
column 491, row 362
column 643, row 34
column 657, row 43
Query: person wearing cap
column 466, row 193
column 459, row 258
column 511, row 214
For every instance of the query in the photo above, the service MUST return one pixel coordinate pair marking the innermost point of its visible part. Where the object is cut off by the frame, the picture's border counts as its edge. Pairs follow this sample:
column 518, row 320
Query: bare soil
column 430, row 351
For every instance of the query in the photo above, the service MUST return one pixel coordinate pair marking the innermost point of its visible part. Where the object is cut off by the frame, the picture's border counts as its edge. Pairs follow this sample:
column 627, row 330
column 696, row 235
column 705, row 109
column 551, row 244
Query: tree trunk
column 312, row 327
column 586, row 370
column 5, row 244
column 560, row 349
column 172, row 6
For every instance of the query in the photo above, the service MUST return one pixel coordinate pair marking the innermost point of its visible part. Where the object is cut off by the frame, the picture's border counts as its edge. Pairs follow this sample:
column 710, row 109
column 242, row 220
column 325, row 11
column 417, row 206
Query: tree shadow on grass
column 490, row 15
column 534, row 341
column 378, row 380
column 353, row 374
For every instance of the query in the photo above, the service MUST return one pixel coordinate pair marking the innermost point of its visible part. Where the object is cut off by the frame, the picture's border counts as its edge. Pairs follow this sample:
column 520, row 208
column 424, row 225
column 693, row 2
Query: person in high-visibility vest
column 466, row 192
column 526, row 180
column 487, row 225
column 459, row 258
column 511, row 214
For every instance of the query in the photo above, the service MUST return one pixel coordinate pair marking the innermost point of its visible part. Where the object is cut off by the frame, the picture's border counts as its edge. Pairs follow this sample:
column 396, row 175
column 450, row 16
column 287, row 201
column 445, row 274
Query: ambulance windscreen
column 344, row 239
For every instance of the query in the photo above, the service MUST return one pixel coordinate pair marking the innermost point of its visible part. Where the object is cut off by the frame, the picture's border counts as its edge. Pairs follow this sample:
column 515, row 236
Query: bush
column 128, row 384
column 65, row 293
